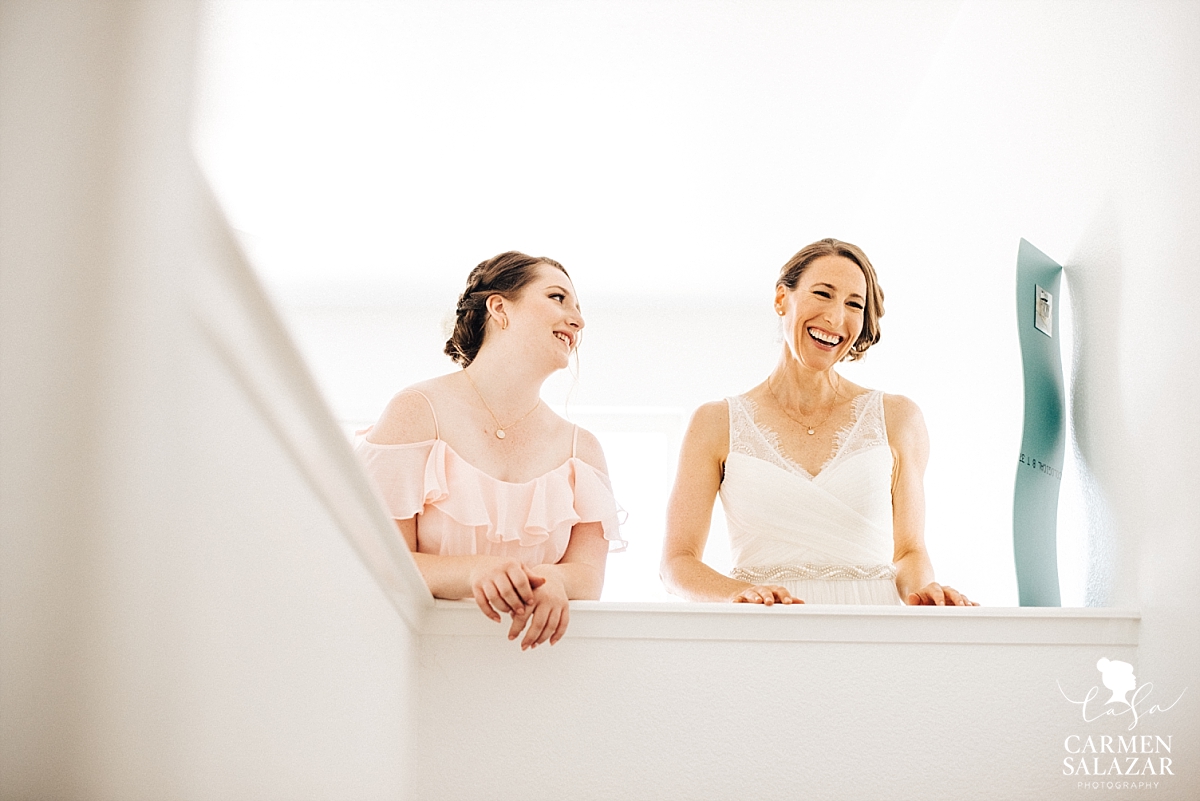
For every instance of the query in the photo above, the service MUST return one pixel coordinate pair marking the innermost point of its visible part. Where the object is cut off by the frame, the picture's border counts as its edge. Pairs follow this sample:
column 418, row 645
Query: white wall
column 717, row 701
column 184, row 615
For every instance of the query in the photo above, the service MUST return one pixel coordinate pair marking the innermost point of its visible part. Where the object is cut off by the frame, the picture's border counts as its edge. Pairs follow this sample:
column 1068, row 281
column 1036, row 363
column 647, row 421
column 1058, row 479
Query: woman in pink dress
column 499, row 498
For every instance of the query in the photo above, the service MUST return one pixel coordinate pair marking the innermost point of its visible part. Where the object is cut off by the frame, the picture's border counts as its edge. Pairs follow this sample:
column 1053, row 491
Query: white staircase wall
column 723, row 701
column 184, row 612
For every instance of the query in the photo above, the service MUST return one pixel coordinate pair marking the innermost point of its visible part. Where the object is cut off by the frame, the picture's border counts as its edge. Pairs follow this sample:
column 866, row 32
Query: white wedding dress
column 826, row 538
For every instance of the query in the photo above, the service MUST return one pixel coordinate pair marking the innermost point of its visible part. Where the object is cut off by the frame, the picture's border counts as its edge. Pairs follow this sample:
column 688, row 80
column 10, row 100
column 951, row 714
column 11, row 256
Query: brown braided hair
column 505, row 275
column 789, row 277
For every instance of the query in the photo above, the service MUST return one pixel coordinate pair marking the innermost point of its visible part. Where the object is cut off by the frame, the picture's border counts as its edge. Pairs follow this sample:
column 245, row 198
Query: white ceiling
column 661, row 149
column 650, row 146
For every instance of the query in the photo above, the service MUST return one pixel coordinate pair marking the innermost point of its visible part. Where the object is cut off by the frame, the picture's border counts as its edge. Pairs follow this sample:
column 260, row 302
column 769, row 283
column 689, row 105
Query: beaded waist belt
column 769, row 573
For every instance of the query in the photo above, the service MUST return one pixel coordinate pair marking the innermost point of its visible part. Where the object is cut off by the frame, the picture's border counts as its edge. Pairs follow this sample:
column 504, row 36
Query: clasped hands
column 932, row 594
column 508, row 587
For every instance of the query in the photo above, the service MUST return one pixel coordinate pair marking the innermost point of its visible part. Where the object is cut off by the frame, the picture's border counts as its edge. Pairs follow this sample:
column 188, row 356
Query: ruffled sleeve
column 537, row 513
column 483, row 514
column 594, row 502
column 407, row 477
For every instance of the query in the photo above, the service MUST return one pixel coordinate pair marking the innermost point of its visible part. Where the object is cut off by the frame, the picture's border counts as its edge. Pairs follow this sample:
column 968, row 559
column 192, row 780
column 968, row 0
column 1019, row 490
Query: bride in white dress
column 822, row 481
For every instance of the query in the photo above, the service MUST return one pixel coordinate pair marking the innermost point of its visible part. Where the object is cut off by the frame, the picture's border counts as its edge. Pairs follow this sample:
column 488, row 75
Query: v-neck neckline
column 841, row 437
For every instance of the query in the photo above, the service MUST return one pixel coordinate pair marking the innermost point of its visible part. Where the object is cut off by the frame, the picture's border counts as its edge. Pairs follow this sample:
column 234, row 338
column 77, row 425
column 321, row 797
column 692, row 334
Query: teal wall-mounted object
column 1040, row 464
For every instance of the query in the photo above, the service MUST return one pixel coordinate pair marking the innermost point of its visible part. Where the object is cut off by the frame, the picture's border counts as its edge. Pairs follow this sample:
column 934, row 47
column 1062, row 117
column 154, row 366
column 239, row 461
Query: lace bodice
column 826, row 537
column 866, row 429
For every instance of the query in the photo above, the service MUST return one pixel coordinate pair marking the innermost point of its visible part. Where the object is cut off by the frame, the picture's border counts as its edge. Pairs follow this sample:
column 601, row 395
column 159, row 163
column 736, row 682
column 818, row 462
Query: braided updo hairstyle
column 505, row 275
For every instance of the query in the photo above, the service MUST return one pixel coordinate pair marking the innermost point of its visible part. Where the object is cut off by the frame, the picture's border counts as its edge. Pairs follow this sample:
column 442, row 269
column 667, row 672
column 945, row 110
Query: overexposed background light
column 672, row 155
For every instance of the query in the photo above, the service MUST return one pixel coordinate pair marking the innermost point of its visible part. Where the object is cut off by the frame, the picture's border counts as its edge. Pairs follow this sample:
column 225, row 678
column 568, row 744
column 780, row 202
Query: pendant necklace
column 499, row 428
column 811, row 429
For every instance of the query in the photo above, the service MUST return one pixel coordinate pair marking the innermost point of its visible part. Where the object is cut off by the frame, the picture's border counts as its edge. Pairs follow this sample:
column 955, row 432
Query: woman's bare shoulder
column 709, row 427
column 712, row 413
column 905, row 423
column 588, row 448
column 901, row 409
column 409, row 416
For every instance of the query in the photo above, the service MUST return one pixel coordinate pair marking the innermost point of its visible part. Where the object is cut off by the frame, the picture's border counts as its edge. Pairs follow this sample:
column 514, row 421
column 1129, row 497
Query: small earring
column 779, row 312
column 503, row 323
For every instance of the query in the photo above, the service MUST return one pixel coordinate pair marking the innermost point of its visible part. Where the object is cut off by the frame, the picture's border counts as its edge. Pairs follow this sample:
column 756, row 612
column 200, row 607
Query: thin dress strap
column 729, row 410
column 436, row 431
column 574, row 441
column 742, row 429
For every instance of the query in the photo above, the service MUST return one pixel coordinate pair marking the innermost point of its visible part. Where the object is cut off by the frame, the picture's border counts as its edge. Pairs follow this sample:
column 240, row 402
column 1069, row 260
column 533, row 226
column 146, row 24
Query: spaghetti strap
column 436, row 431
column 574, row 441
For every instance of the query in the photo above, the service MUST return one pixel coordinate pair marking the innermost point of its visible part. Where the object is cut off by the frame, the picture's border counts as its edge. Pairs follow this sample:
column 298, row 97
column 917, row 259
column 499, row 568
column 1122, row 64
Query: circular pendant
column 499, row 433
column 812, row 431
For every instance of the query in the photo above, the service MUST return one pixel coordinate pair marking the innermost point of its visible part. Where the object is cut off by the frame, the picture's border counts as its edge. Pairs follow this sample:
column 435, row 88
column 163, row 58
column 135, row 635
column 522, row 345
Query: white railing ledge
column 804, row 623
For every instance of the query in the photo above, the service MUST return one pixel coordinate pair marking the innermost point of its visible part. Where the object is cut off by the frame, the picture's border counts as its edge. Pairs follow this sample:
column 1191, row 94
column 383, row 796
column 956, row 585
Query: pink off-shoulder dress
column 462, row 510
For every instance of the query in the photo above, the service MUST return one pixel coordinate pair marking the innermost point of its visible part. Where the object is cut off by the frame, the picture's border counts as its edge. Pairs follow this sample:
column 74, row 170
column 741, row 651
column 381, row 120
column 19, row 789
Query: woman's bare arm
column 578, row 575
column 909, row 440
column 581, row 568
column 689, row 515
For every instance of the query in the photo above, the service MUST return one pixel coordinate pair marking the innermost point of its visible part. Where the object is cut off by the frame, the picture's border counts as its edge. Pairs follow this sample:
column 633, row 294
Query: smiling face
column 823, row 316
column 546, row 316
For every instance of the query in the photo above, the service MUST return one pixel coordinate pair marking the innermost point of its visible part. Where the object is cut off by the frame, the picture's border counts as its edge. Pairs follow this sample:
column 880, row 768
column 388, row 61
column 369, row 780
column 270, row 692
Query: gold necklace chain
column 499, row 428
column 813, row 428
